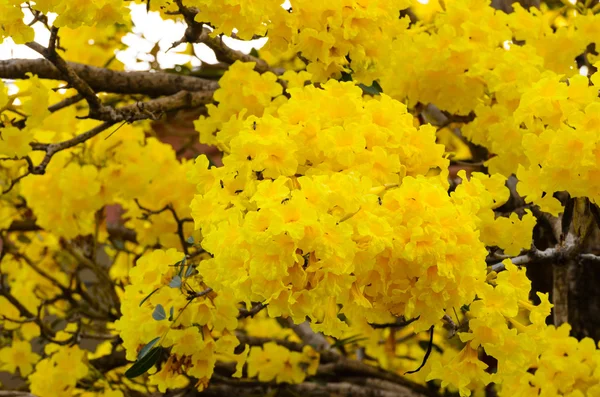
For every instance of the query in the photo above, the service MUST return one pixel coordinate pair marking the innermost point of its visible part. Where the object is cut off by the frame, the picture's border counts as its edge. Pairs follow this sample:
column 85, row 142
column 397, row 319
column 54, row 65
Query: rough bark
column 106, row 80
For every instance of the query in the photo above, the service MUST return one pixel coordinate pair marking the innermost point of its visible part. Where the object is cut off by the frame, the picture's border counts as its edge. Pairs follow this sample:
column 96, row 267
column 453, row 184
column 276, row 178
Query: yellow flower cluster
column 72, row 210
column 11, row 23
column 562, row 144
column 332, row 37
column 533, row 121
column 163, row 304
column 273, row 362
column 72, row 14
column 123, row 169
column 66, row 370
column 338, row 36
column 566, row 367
column 76, row 13
column 34, row 97
column 481, row 195
column 59, row 372
column 242, row 93
column 322, row 201
column 444, row 67
column 322, row 210
column 533, row 358
column 247, row 18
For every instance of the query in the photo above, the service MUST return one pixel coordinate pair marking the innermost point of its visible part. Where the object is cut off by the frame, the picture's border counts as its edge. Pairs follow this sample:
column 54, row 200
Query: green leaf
column 346, row 77
column 119, row 244
column 182, row 264
column 23, row 238
column 349, row 340
column 373, row 89
column 145, row 363
column 147, row 348
column 189, row 271
column 148, row 296
column 159, row 313
column 175, row 282
column 171, row 313
column 190, row 240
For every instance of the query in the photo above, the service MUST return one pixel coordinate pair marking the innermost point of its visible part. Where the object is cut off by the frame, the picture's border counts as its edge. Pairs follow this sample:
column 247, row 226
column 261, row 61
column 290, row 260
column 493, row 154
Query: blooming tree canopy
column 391, row 198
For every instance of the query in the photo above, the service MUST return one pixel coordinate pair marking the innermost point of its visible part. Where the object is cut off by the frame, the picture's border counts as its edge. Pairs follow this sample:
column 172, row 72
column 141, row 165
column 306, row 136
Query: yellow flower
column 11, row 24
column 296, row 79
column 168, row 377
column 59, row 373
column 267, row 361
column 18, row 355
column 462, row 370
column 14, row 142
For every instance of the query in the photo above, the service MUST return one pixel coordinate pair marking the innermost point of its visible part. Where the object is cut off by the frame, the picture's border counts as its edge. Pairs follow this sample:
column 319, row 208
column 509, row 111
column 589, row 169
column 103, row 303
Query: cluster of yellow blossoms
column 124, row 168
column 350, row 219
column 331, row 37
column 72, row 14
column 167, row 305
column 534, row 111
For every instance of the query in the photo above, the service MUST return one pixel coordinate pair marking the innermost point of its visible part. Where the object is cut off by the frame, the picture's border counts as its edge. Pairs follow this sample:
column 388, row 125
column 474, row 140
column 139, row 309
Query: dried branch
column 340, row 389
column 139, row 111
column 68, row 74
column 52, row 148
column 244, row 313
column 154, row 108
column 15, row 181
column 451, row 325
column 65, row 103
column 533, row 255
column 114, row 231
column 355, row 368
column 106, row 80
column 399, row 323
column 308, row 336
column 179, row 221
column 591, row 258
column 10, row 393
column 110, row 361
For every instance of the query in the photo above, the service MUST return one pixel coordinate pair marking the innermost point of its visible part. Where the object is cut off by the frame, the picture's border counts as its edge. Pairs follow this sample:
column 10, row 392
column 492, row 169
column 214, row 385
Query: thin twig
column 533, row 255
column 244, row 313
column 52, row 148
column 65, row 103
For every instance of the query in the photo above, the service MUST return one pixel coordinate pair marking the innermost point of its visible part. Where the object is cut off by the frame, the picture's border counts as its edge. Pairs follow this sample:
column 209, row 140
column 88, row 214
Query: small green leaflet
column 147, row 348
column 373, row 89
column 148, row 296
column 349, row 340
column 145, row 363
column 119, row 244
column 189, row 271
column 159, row 313
column 171, row 313
column 190, row 240
column 182, row 264
column 175, row 282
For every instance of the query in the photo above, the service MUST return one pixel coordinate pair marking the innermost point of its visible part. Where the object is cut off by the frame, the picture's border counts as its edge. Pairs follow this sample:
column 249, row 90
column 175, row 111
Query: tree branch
column 252, row 312
column 106, row 80
column 196, row 33
column 52, row 148
column 533, row 255
column 68, row 74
